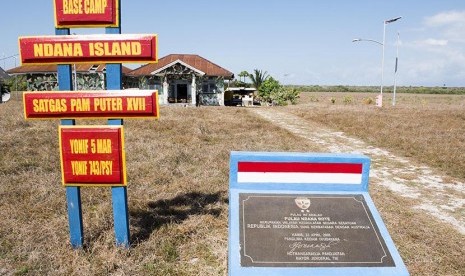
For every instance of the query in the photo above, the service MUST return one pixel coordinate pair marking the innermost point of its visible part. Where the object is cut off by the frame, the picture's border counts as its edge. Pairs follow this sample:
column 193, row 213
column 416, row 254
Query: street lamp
column 395, row 71
column 384, row 42
column 362, row 39
column 385, row 22
column 379, row 100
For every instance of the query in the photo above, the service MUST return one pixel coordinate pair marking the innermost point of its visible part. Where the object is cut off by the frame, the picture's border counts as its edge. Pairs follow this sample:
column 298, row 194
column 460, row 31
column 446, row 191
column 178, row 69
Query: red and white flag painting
column 299, row 172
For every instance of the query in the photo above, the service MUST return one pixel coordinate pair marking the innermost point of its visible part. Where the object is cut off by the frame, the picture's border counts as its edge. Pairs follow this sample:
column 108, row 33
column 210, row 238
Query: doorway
column 181, row 90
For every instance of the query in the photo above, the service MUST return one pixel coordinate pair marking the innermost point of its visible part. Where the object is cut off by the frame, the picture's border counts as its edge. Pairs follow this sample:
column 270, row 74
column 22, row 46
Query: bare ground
column 438, row 195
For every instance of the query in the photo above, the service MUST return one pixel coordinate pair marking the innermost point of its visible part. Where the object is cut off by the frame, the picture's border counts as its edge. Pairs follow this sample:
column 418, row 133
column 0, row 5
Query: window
column 209, row 87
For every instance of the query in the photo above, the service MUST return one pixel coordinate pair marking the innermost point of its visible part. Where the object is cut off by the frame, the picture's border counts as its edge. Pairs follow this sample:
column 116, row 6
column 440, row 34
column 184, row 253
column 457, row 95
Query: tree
column 267, row 88
column 243, row 75
column 272, row 92
column 258, row 77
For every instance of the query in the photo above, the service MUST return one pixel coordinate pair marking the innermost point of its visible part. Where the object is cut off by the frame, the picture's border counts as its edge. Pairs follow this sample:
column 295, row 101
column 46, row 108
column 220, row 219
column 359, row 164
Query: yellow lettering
column 133, row 48
column 96, row 49
column 116, row 49
column 79, row 167
column 49, row 105
column 136, row 48
column 67, row 49
column 77, row 50
column 79, row 146
column 48, row 49
column 108, row 104
column 63, row 105
column 43, row 104
column 95, row 6
column 103, row 145
column 65, row 7
column 38, row 50
column 82, row 104
column 101, row 167
column 136, row 104
column 126, row 48
column 72, row 6
column 58, row 50
column 35, row 104
column 86, row 6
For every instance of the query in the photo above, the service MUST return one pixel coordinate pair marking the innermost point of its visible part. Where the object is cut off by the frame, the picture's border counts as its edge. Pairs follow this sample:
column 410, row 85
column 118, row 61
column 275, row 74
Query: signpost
column 91, row 104
column 86, row 13
column 306, row 214
column 91, row 155
column 109, row 48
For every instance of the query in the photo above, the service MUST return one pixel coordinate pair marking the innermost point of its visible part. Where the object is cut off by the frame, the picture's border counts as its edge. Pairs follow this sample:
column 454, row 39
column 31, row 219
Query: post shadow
column 174, row 210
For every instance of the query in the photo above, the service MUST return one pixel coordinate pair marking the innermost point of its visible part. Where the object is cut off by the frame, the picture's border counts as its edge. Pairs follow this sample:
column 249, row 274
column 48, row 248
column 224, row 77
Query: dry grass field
column 178, row 186
column 430, row 128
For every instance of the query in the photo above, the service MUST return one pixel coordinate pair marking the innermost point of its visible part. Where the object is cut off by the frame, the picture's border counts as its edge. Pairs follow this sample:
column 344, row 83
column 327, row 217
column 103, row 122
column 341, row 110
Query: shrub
column 348, row 100
column 274, row 93
column 368, row 100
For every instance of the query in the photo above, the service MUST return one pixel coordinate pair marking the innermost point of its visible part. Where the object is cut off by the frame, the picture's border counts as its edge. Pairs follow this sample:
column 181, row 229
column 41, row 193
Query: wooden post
column 119, row 194
column 73, row 194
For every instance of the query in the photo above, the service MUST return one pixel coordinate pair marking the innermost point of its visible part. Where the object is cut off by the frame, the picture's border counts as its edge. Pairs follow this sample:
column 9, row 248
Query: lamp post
column 379, row 99
column 395, row 71
column 384, row 42
column 385, row 22
column 363, row 39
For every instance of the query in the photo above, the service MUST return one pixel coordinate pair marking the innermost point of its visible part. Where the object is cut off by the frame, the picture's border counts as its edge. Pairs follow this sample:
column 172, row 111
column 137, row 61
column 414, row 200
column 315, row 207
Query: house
column 44, row 77
column 183, row 78
column 3, row 75
column 4, row 89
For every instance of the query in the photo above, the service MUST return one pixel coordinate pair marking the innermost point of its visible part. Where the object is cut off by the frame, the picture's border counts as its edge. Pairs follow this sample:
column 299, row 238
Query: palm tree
column 258, row 77
column 243, row 74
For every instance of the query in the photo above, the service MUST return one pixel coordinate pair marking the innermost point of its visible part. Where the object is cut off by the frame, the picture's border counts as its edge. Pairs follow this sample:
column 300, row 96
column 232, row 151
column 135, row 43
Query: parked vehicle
column 4, row 93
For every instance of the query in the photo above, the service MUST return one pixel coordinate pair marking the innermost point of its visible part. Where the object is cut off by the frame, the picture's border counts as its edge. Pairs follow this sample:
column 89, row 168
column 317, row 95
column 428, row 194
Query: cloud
column 434, row 42
column 450, row 24
column 446, row 18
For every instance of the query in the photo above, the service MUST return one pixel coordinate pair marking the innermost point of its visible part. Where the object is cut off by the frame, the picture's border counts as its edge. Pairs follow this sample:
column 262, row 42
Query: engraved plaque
column 317, row 230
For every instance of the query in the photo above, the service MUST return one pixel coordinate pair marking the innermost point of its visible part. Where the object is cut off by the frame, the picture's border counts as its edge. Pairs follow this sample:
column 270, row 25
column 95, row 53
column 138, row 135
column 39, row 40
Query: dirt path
column 440, row 196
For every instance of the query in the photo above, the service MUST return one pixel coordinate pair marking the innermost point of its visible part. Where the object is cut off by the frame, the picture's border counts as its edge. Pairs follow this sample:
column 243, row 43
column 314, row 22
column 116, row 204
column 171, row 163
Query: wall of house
column 41, row 82
column 209, row 89
column 48, row 82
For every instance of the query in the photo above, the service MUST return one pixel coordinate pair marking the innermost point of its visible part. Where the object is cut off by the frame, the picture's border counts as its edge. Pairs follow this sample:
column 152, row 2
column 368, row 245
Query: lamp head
column 392, row 20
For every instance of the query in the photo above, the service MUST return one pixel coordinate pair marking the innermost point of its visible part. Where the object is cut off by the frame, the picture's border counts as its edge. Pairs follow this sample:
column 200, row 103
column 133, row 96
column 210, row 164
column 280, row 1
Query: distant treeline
column 361, row 89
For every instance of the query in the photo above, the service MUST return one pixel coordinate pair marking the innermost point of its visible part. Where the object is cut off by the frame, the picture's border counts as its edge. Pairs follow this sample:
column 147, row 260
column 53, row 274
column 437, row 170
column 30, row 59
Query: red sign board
column 86, row 104
column 92, row 156
column 103, row 48
column 86, row 13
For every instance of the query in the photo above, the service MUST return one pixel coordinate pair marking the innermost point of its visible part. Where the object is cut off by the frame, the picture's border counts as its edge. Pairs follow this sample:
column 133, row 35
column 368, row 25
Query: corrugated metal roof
column 195, row 61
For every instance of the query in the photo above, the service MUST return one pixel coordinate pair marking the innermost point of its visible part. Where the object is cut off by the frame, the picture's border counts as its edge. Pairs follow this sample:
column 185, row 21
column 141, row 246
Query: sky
column 301, row 42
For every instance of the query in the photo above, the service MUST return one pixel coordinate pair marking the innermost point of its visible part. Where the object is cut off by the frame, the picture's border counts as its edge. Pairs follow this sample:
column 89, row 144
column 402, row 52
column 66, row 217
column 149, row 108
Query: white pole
column 395, row 71
column 384, row 42
column 382, row 64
